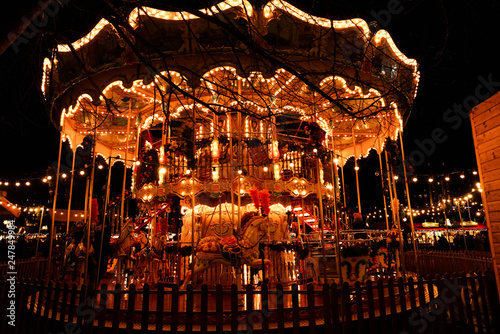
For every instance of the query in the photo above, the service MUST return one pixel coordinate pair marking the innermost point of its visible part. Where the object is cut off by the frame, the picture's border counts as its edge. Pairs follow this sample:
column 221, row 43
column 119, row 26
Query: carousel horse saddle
column 230, row 249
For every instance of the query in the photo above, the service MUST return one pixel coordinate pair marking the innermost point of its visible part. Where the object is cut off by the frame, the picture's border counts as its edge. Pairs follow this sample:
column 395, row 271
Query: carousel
column 230, row 124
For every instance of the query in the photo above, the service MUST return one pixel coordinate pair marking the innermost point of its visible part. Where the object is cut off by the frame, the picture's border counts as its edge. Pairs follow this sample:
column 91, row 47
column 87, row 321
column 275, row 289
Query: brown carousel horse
column 231, row 250
column 122, row 248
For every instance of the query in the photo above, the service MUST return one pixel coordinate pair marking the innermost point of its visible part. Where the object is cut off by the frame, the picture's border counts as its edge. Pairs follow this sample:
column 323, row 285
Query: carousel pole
column 383, row 187
column 89, row 217
column 321, row 218
column 52, row 224
column 71, row 184
column 122, row 207
column 356, row 167
column 193, row 201
column 343, row 190
column 395, row 214
column 389, row 180
column 39, row 230
column 409, row 202
column 103, row 225
column 335, row 221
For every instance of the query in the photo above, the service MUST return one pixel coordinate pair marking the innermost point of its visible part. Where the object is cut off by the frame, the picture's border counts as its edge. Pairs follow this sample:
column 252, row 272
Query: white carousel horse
column 231, row 250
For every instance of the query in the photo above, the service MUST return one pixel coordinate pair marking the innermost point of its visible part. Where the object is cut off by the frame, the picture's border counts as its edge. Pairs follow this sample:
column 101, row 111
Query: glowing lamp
column 214, row 148
column 215, row 173
column 275, row 152
column 276, row 169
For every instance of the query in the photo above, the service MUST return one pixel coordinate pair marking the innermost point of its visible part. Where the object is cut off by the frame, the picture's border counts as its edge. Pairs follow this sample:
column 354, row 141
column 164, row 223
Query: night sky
column 455, row 44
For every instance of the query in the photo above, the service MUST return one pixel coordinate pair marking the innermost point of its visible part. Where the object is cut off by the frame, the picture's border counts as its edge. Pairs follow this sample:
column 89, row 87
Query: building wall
column 485, row 121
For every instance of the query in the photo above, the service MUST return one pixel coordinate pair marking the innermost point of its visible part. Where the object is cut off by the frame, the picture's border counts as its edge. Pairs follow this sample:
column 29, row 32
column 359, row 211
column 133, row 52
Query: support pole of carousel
column 54, row 203
column 122, row 207
column 39, row 230
column 395, row 214
column 241, row 168
column 71, row 184
column 383, row 190
column 356, row 167
column 389, row 184
column 321, row 217
column 104, row 218
column 343, row 190
column 335, row 220
column 410, row 211
column 89, row 216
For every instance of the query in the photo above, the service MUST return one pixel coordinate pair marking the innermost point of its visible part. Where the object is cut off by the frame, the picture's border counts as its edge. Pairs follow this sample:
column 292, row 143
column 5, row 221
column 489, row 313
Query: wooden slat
column 346, row 307
column 359, row 307
column 452, row 303
column 101, row 323
column 371, row 307
column 145, row 307
column 392, row 304
column 219, row 307
column 311, row 309
column 280, row 309
column 204, row 309
column 295, row 309
column 174, row 318
column 477, row 306
column 131, row 309
column 160, row 294
column 46, row 306
column 480, row 115
column 72, row 303
column 468, row 308
column 117, row 298
column 64, row 304
column 487, row 125
column 81, row 302
column 55, row 303
column 265, row 308
column 189, row 308
column 486, row 310
column 234, row 309
column 382, row 305
column 251, row 315
column 327, row 307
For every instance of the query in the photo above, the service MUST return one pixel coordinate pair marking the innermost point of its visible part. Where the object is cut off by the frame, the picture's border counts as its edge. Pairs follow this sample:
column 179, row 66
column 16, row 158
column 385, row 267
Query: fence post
column 174, row 312
column 159, row 307
column 327, row 306
column 204, row 309
column 219, row 308
column 101, row 323
column 117, row 298
column 234, row 309
column 359, row 307
column 131, row 308
column 371, row 306
column 280, row 308
column 145, row 308
column 311, row 309
column 295, row 309
column 189, row 309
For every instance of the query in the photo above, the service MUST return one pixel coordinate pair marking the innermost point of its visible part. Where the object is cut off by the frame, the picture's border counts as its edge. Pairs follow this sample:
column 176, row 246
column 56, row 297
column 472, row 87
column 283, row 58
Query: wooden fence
column 33, row 268
column 466, row 303
column 441, row 262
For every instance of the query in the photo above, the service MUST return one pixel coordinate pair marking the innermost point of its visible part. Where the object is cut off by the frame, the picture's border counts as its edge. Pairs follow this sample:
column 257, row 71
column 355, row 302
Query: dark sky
column 454, row 42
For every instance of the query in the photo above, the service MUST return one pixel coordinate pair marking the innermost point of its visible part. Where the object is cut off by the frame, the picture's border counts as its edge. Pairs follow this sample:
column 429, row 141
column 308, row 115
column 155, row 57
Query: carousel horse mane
column 247, row 216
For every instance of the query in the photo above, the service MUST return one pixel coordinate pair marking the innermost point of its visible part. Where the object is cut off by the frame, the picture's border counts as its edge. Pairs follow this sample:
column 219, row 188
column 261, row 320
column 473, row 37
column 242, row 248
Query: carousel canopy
column 280, row 67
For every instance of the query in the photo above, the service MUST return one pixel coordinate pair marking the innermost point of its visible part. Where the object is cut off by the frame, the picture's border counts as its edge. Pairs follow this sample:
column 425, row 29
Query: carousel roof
column 270, row 61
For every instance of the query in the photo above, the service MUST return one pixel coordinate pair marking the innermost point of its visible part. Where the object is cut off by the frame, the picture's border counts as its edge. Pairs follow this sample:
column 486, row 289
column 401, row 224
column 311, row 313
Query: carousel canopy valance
column 279, row 67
